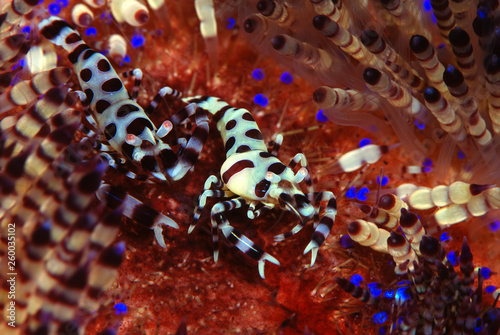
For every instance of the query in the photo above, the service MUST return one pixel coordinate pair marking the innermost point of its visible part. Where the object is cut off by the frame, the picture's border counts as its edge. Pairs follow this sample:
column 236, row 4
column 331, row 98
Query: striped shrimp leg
column 325, row 224
column 136, row 210
column 213, row 189
column 186, row 158
column 238, row 239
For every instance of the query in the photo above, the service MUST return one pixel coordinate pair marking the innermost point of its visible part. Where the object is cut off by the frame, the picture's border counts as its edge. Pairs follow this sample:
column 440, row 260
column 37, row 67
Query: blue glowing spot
column 63, row 3
column 362, row 194
column 385, row 180
column 26, row 29
column 402, row 294
column 286, row 78
column 321, row 117
column 420, row 125
column 120, row 308
column 54, row 8
column 433, row 17
column 137, row 41
column 461, row 154
column 258, row 74
column 106, row 16
column 90, row 31
column 490, row 289
column 21, row 62
column 486, row 273
column 375, row 289
column 15, row 66
column 427, row 5
column 120, row 248
column 426, row 169
column 444, row 237
column 261, row 100
column 427, row 162
column 478, row 326
column 346, row 242
column 351, row 194
column 230, row 23
column 494, row 226
column 126, row 59
column 379, row 318
column 356, row 279
column 364, row 142
column 389, row 294
column 482, row 13
column 452, row 258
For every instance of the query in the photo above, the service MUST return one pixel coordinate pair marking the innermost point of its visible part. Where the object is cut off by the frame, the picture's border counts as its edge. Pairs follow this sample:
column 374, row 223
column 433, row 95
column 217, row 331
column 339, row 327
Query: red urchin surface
column 160, row 287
